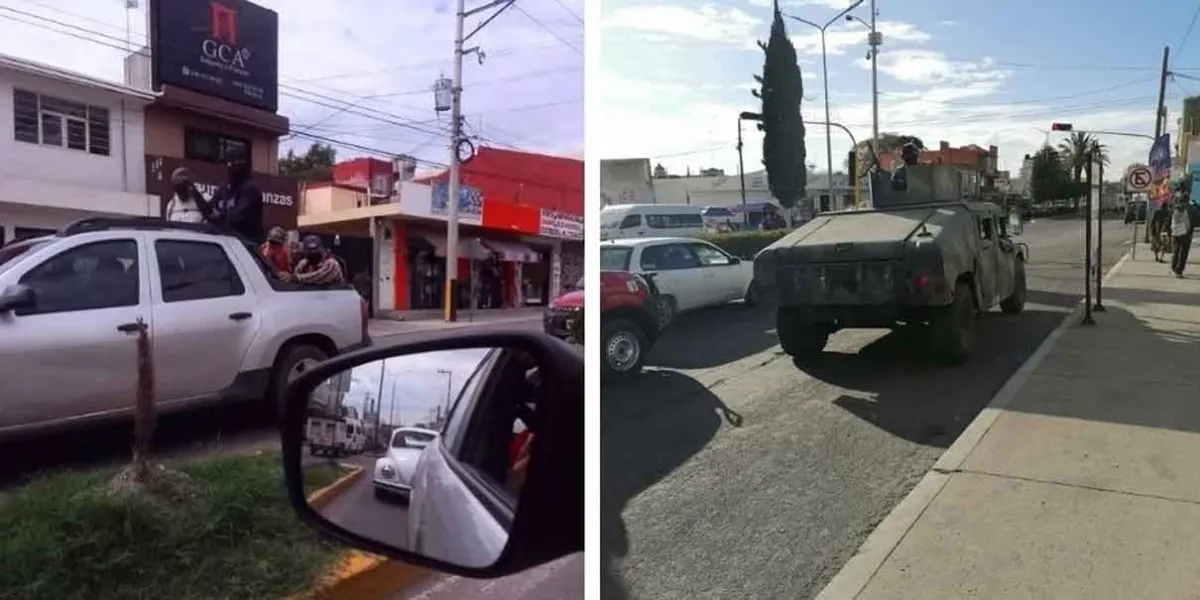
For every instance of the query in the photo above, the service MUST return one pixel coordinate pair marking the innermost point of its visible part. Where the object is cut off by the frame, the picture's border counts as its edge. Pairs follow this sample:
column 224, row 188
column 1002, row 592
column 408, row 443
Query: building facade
column 520, row 231
column 979, row 166
column 73, row 147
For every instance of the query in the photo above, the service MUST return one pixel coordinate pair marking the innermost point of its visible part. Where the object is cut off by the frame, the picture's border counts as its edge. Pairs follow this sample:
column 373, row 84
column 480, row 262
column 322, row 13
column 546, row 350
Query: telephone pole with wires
column 457, row 141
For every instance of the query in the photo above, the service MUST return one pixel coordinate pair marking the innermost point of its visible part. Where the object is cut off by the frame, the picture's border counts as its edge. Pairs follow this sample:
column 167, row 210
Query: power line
column 1188, row 33
column 568, row 9
column 543, row 26
column 1049, row 99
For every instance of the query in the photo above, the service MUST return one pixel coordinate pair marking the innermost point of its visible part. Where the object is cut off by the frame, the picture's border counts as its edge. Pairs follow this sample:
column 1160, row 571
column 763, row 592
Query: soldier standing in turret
column 910, row 155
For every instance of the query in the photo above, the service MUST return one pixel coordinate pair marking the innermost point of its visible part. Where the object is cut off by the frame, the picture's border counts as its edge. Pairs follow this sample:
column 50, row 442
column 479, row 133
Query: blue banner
column 1160, row 166
column 470, row 200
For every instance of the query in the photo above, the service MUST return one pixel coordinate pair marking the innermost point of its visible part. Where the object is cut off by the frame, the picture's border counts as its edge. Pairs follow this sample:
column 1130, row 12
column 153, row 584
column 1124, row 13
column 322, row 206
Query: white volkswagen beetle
column 394, row 470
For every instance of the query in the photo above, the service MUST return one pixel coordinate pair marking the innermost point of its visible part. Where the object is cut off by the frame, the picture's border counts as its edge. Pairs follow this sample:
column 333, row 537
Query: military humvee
column 925, row 253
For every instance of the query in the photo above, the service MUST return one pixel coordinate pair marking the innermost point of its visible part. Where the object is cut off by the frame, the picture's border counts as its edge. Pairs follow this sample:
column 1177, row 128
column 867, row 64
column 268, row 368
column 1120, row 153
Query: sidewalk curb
column 858, row 571
column 358, row 574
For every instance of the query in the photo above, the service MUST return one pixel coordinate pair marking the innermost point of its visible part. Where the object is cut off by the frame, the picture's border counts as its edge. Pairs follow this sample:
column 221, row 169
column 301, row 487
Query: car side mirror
column 15, row 297
column 733, row 260
column 494, row 485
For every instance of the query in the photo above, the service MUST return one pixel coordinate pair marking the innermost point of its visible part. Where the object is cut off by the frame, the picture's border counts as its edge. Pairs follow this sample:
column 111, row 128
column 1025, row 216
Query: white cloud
column 841, row 37
column 949, row 23
column 351, row 49
column 706, row 23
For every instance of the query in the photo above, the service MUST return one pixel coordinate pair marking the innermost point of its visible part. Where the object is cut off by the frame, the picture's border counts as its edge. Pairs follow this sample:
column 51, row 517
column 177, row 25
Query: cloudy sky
column 380, row 58
column 413, row 385
column 675, row 74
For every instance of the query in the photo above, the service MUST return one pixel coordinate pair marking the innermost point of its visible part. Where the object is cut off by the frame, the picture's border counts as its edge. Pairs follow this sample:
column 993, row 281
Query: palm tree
column 1074, row 153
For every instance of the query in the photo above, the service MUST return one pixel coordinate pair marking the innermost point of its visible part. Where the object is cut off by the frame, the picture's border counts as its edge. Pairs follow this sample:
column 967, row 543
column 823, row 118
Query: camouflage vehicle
column 925, row 253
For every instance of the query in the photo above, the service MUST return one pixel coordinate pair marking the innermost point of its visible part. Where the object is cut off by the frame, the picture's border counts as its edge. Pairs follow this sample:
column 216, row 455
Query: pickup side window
column 710, row 256
column 986, row 228
column 195, row 271
column 631, row 222
column 88, row 277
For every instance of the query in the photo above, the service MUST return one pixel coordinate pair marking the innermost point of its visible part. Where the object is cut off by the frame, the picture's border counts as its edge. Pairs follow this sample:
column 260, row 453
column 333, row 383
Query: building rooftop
column 38, row 69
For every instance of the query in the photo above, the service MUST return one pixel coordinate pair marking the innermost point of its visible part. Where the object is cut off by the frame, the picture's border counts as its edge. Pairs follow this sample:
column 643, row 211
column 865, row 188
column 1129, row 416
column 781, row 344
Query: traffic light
column 852, row 168
column 1060, row 127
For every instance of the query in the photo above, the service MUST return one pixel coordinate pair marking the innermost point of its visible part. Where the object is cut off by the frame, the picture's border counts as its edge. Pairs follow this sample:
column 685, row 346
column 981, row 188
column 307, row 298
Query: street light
column 825, row 77
column 874, row 40
column 744, row 116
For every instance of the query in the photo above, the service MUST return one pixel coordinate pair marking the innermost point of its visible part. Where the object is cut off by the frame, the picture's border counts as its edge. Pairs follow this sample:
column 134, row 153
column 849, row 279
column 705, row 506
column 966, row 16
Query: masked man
column 318, row 266
column 187, row 205
column 239, row 202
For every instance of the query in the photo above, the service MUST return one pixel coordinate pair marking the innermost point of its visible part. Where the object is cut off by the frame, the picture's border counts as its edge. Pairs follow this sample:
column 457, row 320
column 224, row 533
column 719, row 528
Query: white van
column 650, row 220
column 335, row 437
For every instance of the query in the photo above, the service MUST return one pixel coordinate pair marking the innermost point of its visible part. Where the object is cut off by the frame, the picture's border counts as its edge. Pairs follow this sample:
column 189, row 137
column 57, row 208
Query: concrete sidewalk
column 1081, row 480
column 431, row 321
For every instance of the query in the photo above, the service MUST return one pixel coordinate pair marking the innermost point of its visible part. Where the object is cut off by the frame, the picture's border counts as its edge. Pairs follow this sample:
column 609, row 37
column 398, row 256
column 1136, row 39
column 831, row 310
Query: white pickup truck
column 222, row 325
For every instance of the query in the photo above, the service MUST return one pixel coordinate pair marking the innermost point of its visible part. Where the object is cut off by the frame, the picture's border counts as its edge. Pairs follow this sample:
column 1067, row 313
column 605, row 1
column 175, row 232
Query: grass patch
column 224, row 531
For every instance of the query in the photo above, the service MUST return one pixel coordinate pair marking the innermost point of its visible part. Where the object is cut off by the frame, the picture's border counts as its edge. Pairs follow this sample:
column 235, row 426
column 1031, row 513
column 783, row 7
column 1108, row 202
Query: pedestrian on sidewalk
column 1160, row 220
column 1183, row 215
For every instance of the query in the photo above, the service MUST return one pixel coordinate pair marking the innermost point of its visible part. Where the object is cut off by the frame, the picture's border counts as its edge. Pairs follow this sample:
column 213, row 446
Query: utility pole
column 1087, row 252
column 742, row 174
column 1099, row 307
column 1160, row 109
column 456, row 141
column 876, row 40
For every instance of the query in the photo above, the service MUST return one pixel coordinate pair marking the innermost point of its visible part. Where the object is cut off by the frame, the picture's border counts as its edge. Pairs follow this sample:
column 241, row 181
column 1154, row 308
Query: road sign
column 1138, row 179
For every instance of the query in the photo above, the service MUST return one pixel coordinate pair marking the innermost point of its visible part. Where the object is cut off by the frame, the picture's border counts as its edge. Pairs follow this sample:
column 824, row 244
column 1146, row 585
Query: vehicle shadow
column 645, row 436
column 688, row 343
column 904, row 390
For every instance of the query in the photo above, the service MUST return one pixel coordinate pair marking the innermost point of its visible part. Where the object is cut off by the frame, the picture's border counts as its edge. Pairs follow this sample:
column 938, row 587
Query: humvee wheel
column 953, row 327
column 797, row 339
column 1014, row 304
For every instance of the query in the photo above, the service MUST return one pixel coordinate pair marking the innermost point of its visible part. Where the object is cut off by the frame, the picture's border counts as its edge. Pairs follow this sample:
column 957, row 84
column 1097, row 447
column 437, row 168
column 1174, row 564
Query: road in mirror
column 425, row 452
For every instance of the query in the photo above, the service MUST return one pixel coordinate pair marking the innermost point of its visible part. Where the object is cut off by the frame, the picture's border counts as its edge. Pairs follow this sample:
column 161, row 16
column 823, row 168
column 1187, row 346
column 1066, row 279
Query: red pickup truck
column 628, row 321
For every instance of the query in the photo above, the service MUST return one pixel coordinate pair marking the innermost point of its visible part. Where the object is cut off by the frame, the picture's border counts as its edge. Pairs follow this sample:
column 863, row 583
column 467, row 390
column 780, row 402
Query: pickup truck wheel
column 1014, row 304
column 799, row 340
column 623, row 350
column 291, row 364
column 953, row 327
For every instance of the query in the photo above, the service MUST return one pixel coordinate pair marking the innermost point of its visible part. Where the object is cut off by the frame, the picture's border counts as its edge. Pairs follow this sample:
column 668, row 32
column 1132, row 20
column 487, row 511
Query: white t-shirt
column 185, row 211
column 1180, row 221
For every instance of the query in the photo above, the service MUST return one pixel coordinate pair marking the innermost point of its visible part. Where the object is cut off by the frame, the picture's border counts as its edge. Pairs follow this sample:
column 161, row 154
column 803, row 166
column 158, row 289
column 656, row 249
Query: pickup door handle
column 131, row 327
column 240, row 316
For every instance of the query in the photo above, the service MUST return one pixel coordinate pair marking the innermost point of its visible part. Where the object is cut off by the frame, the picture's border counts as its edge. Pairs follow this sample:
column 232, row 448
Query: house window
column 51, row 121
column 379, row 185
column 214, row 147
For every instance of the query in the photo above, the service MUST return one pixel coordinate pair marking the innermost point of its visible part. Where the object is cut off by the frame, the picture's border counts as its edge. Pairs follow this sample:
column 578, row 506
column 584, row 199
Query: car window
column 668, row 257
column 985, row 228
column 675, row 221
column 456, row 421
column 631, row 221
column 710, row 256
column 195, row 271
column 9, row 253
column 409, row 439
column 88, row 277
column 615, row 258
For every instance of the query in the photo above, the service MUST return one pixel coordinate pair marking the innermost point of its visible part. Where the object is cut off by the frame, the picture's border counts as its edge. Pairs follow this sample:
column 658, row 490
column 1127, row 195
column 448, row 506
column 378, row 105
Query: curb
column 858, row 571
column 322, row 497
column 359, row 574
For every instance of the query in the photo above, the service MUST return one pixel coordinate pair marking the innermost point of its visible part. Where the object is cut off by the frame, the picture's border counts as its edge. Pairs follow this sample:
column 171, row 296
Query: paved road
column 729, row 473
column 226, row 429
column 559, row 580
column 358, row 510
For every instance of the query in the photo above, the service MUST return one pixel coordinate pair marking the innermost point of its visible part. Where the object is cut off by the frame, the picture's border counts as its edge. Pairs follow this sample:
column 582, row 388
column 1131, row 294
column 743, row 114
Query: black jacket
column 241, row 209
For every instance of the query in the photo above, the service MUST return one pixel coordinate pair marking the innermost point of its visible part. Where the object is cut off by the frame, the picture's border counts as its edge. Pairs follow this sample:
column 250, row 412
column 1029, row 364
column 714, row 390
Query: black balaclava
column 238, row 171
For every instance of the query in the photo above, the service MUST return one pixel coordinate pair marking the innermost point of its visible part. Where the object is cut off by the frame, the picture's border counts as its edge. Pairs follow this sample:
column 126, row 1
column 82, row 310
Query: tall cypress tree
column 781, row 89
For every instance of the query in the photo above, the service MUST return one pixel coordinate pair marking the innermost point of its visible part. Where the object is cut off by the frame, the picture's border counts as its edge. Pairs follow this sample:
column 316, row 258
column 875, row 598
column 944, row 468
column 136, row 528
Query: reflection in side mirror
column 429, row 451
column 1015, row 224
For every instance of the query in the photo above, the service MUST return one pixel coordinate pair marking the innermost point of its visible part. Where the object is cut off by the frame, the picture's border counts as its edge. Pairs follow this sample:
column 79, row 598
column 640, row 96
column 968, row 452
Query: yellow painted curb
column 359, row 575
column 322, row 497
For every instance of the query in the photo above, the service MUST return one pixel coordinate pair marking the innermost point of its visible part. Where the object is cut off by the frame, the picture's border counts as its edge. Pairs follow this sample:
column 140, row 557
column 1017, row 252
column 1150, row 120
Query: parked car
column 222, row 325
column 335, row 437
column 688, row 273
column 560, row 319
column 1135, row 211
column 394, row 470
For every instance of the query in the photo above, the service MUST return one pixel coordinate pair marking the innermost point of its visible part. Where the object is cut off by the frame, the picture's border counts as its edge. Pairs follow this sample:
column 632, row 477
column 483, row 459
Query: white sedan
column 394, row 470
column 689, row 273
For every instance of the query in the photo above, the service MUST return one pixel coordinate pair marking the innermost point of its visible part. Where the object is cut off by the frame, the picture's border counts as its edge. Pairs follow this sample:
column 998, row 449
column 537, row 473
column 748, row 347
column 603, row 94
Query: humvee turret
column 925, row 253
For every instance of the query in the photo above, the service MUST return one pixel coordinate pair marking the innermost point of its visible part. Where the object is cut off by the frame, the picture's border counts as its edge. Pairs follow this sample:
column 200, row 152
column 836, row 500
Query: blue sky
column 675, row 74
column 379, row 57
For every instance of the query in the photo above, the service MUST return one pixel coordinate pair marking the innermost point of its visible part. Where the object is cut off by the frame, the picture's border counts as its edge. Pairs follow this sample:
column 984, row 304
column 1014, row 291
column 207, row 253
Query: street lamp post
column 825, row 77
column 874, row 40
column 741, row 166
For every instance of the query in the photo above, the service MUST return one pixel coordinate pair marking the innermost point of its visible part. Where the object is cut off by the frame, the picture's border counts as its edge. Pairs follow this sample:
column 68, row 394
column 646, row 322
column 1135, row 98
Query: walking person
column 187, row 205
column 1160, row 220
column 1182, row 227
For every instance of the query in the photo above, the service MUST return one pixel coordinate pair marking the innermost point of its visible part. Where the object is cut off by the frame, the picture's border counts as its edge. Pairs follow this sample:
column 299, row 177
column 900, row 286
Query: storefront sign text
column 561, row 225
